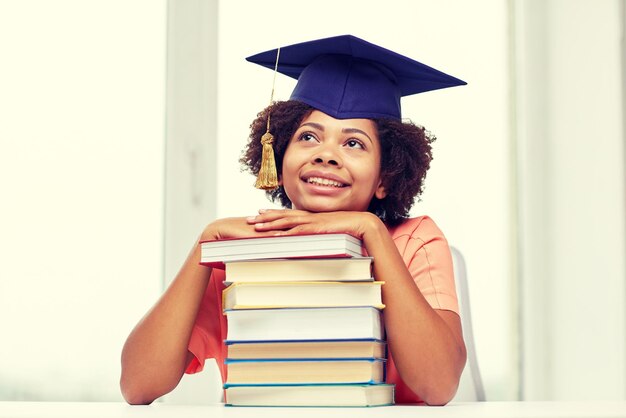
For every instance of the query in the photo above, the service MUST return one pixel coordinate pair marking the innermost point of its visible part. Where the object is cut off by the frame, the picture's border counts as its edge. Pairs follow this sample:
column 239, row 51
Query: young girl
column 345, row 163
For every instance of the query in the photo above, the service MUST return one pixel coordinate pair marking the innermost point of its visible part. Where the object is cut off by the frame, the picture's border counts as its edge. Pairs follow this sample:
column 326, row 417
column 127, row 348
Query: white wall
column 191, row 157
column 191, row 143
column 81, row 169
column 571, row 138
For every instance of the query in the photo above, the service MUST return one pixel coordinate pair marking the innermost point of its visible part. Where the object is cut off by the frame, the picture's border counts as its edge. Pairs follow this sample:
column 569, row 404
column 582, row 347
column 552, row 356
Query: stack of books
column 304, row 322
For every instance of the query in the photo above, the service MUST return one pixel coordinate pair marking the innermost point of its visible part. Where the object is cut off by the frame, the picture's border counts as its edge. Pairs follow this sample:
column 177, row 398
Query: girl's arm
column 155, row 355
column 426, row 344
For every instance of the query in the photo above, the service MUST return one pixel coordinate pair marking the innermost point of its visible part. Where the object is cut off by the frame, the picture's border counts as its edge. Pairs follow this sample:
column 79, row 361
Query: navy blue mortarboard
column 347, row 77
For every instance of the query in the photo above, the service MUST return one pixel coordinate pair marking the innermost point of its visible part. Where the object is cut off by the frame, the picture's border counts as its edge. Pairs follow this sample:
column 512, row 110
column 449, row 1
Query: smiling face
column 332, row 164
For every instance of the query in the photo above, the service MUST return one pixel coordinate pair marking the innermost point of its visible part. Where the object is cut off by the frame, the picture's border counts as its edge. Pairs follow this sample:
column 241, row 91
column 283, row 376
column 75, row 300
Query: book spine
column 270, row 324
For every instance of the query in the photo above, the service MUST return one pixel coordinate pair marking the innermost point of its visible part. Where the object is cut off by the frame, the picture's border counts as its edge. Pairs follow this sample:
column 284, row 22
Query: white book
column 215, row 253
column 294, row 324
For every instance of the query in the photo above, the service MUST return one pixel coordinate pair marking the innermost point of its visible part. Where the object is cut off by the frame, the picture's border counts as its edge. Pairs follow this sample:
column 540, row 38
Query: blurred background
column 121, row 126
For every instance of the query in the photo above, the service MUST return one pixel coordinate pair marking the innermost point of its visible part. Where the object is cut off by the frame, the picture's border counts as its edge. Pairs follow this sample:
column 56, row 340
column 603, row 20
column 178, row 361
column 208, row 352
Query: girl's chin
column 317, row 208
column 323, row 207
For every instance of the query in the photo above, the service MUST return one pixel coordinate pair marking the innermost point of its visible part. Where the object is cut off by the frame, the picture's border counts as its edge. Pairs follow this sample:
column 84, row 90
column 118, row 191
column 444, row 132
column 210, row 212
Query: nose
column 327, row 156
column 320, row 160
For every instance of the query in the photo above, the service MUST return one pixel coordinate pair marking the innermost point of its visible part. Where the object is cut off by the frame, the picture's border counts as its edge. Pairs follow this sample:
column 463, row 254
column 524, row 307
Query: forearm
column 428, row 352
column 155, row 354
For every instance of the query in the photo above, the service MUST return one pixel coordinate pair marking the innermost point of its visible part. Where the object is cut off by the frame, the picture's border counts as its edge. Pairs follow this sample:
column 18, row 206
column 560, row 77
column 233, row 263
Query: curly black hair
column 406, row 154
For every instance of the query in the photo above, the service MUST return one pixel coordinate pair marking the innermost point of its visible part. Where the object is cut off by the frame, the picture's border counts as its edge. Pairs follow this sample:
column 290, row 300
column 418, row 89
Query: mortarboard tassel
column 267, row 178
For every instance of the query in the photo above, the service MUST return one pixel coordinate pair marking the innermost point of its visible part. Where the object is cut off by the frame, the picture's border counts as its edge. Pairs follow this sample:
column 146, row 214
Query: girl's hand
column 294, row 222
column 231, row 228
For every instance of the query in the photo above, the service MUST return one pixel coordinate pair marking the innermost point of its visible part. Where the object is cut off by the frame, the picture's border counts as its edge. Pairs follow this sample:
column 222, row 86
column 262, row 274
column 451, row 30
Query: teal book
column 310, row 395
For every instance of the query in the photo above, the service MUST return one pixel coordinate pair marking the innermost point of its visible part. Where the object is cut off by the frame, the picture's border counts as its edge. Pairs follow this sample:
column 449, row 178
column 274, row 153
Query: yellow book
column 305, row 371
column 263, row 295
column 300, row 270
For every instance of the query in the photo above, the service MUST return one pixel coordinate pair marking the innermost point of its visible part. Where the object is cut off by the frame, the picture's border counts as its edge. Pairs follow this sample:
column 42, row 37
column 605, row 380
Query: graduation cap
column 347, row 77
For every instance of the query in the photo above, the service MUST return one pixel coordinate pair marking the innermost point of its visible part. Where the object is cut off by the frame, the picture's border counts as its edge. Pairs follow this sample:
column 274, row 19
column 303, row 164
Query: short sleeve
column 208, row 334
column 426, row 254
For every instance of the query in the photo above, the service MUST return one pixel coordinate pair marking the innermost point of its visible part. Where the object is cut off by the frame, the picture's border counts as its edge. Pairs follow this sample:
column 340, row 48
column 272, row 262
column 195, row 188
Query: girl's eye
column 307, row 137
column 353, row 143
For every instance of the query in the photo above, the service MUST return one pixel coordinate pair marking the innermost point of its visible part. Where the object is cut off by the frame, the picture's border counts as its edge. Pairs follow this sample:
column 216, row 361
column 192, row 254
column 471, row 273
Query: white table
column 595, row 409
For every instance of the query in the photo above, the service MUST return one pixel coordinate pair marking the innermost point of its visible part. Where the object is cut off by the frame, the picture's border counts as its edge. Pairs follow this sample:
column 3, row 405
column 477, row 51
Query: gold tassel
column 267, row 178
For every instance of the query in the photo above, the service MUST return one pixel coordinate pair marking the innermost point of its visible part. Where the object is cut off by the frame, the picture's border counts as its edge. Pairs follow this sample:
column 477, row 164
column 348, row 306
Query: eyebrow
column 344, row 130
column 356, row 131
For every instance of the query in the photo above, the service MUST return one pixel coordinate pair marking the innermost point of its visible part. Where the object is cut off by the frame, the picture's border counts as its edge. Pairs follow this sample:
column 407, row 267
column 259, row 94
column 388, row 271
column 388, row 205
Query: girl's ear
column 380, row 193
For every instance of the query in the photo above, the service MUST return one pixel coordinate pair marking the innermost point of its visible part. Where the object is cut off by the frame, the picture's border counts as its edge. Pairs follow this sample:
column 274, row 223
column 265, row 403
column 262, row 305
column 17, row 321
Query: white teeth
column 324, row 182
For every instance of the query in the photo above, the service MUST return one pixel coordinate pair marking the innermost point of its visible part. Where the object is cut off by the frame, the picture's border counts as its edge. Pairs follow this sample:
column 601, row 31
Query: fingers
column 290, row 222
column 300, row 230
column 279, row 224
column 281, row 220
column 281, row 212
column 269, row 215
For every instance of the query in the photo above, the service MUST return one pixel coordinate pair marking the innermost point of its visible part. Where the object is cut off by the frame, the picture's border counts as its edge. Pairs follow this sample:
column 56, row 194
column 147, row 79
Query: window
column 81, row 173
